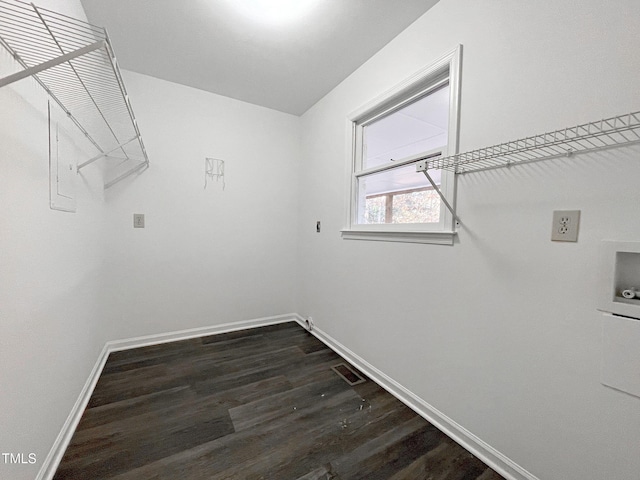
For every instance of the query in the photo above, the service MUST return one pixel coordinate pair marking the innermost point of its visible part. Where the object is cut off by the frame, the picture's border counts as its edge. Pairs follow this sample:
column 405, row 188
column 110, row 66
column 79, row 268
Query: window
column 417, row 119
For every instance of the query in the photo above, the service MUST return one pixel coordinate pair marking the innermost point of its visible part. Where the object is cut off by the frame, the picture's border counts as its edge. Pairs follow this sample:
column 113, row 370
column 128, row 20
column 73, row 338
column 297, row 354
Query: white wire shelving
column 74, row 62
column 589, row 137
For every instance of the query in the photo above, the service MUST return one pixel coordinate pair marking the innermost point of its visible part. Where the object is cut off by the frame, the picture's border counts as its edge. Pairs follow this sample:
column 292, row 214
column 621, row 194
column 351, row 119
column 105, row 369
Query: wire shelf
column 598, row 135
column 74, row 62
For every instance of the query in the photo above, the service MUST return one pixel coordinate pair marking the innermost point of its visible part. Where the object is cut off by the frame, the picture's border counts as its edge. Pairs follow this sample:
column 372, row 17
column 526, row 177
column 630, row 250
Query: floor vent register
column 348, row 374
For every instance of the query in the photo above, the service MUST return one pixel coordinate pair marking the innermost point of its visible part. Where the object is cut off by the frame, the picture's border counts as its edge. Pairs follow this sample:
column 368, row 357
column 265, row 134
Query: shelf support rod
column 105, row 154
column 447, row 204
column 50, row 63
column 133, row 170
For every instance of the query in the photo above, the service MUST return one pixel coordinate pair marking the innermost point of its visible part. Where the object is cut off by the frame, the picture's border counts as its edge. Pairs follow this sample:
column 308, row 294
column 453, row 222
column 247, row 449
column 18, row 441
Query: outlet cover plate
column 138, row 220
column 565, row 225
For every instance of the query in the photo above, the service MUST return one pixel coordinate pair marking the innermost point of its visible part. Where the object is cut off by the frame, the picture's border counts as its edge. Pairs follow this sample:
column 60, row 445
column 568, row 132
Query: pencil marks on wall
column 214, row 169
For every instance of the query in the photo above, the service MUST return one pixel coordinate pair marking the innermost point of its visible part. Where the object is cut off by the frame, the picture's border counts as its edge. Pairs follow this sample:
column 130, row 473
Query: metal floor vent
column 348, row 374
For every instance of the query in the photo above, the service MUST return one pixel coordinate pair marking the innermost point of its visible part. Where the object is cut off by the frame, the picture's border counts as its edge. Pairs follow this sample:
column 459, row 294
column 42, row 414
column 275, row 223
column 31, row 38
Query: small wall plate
column 138, row 220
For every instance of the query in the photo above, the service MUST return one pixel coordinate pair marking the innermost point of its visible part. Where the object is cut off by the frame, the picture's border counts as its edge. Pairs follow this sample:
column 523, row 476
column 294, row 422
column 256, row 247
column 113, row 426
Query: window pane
column 416, row 128
column 375, row 209
column 416, row 207
column 399, row 195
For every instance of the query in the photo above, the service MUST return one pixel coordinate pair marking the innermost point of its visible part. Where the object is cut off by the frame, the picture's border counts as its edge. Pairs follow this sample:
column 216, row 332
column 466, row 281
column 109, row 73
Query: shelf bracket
column 127, row 174
column 105, row 154
column 442, row 197
column 51, row 63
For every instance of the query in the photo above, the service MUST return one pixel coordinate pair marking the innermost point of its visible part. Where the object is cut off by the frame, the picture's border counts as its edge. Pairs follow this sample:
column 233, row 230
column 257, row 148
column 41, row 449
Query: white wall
column 71, row 282
column 499, row 332
column 205, row 257
column 51, row 281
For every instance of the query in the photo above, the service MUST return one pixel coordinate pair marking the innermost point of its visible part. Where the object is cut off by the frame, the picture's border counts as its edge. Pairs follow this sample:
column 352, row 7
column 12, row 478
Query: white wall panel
column 499, row 332
column 51, row 278
column 205, row 256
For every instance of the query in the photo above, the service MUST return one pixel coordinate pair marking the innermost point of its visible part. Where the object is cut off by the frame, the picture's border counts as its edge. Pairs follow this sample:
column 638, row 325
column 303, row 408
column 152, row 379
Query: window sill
column 437, row 238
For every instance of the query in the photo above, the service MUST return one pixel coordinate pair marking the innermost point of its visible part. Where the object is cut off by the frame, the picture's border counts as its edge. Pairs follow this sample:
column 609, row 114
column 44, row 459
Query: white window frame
column 442, row 71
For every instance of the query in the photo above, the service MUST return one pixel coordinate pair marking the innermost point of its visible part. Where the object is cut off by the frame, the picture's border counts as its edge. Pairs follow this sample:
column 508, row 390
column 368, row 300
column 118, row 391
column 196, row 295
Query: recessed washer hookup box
column 620, row 278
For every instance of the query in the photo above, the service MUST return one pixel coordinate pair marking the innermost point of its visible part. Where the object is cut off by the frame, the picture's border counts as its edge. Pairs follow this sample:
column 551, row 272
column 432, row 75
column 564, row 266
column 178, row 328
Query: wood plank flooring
column 255, row 404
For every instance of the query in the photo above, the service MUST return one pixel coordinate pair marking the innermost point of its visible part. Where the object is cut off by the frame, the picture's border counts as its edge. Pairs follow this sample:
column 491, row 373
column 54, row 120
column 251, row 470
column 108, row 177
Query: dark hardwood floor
column 255, row 404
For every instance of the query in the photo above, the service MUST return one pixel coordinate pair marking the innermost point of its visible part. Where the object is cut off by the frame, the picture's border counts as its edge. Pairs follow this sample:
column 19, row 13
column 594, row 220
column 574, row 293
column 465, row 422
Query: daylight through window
column 415, row 121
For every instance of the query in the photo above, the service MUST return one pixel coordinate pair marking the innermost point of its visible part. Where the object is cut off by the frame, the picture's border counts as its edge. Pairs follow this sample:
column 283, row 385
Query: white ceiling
column 216, row 46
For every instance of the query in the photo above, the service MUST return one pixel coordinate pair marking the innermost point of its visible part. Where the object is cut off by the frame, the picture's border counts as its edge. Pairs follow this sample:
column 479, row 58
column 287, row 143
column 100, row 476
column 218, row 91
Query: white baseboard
column 61, row 443
column 157, row 339
column 52, row 461
column 485, row 452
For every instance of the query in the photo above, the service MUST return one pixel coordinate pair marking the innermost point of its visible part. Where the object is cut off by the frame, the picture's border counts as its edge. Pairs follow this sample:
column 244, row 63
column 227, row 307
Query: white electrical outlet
column 565, row 225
